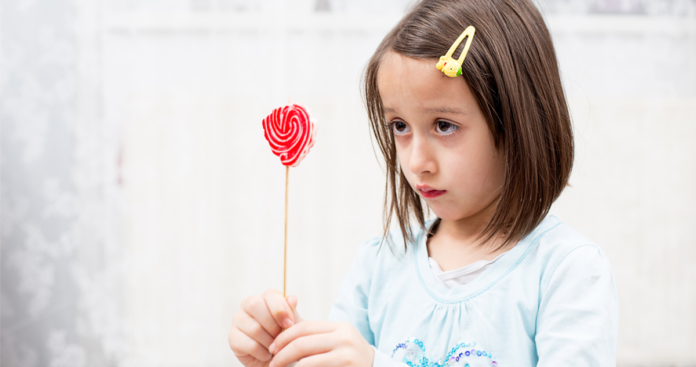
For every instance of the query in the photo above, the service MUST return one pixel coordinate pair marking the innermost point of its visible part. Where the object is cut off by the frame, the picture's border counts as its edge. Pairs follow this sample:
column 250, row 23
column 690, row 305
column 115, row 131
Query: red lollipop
column 290, row 131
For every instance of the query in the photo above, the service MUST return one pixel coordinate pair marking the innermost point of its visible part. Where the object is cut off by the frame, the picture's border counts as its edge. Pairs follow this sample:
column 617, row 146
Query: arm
column 352, row 303
column 577, row 324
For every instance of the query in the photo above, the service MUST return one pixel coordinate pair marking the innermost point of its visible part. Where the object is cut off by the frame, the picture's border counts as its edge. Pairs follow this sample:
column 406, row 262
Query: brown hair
column 512, row 70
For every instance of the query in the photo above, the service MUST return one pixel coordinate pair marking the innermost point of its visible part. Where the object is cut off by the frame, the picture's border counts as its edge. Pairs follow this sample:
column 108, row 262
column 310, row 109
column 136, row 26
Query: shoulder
column 562, row 251
column 368, row 252
column 391, row 250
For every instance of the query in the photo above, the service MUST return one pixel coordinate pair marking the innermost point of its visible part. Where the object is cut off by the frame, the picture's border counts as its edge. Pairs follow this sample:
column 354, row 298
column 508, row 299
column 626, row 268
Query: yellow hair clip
column 450, row 66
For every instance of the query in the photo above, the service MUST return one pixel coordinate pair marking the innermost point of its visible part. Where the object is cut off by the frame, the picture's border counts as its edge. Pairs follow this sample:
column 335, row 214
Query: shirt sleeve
column 352, row 303
column 384, row 360
column 577, row 324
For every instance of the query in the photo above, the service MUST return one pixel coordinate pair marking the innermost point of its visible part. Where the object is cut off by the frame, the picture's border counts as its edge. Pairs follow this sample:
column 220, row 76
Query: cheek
column 493, row 176
column 402, row 153
column 478, row 169
column 402, row 161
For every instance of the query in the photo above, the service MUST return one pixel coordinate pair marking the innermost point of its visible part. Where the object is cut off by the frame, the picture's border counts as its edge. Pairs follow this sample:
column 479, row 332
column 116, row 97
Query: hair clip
column 450, row 66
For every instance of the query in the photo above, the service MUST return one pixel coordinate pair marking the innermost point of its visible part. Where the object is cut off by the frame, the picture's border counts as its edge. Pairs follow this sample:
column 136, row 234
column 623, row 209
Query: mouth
column 429, row 192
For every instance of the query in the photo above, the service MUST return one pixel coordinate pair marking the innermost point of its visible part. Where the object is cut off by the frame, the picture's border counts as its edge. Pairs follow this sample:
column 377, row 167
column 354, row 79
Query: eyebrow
column 455, row 111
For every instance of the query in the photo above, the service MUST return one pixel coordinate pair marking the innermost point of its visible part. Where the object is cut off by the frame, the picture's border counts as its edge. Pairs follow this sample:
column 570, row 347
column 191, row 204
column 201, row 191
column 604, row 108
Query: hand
column 322, row 343
column 257, row 323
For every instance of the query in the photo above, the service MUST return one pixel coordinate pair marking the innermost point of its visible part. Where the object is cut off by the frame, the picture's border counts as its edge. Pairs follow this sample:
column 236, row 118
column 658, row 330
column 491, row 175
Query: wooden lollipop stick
column 290, row 132
column 285, row 239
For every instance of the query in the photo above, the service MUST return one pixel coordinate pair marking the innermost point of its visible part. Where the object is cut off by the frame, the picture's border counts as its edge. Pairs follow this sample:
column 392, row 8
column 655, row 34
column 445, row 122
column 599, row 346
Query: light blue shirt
column 549, row 301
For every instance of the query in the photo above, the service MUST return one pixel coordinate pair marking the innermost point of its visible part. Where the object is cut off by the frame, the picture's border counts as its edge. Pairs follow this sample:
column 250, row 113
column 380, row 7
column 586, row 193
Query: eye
column 400, row 127
column 446, row 128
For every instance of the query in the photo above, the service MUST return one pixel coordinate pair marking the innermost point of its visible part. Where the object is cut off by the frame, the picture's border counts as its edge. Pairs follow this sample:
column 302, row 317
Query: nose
column 422, row 159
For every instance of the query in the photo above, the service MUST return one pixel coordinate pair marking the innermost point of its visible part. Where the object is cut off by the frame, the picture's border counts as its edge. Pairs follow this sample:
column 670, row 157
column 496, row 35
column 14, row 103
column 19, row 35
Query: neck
column 466, row 231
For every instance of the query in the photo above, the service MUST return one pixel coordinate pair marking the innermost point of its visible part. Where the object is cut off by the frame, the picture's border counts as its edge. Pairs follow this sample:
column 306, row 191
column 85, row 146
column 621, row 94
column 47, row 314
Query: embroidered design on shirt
column 464, row 354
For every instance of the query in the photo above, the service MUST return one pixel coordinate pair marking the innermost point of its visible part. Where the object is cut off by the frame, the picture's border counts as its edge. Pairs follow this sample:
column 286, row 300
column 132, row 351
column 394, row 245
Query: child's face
column 442, row 138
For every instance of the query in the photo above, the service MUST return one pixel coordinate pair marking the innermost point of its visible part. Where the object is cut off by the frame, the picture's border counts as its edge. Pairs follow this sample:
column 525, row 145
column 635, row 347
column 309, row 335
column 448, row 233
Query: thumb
column 292, row 302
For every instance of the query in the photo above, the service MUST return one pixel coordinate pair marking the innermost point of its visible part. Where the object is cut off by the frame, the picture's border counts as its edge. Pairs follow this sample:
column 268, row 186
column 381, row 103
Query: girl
column 493, row 280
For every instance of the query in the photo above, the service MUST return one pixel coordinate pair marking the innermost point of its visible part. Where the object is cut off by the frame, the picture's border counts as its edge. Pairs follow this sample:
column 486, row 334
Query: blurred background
column 140, row 203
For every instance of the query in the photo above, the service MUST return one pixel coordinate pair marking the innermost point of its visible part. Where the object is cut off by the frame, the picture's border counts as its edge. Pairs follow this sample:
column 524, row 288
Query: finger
column 320, row 360
column 299, row 330
column 253, row 329
column 242, row 345
column 279, row 308
column 303, row 347
column 292, row 302
column 257, row 308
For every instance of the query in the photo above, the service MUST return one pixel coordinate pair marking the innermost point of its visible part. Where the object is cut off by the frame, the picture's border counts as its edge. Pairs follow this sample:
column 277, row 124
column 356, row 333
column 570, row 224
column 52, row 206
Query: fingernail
column 271, row 365
column 271, row 348
column 287, row 323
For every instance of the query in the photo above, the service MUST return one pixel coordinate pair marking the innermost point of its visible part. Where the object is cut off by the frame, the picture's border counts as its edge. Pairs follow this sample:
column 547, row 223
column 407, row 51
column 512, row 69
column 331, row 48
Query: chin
column 447, row 214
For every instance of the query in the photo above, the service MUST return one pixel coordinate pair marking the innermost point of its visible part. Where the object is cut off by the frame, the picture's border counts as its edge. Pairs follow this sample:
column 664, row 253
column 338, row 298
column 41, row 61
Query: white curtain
column 139, row 201
column 61, row 239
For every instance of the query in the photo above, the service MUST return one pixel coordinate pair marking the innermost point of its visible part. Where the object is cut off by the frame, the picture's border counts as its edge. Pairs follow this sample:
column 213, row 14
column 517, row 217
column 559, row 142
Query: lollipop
column 290, row 132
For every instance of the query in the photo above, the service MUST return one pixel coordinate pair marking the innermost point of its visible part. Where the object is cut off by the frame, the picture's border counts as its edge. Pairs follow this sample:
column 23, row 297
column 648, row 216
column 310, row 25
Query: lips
column 429, row 192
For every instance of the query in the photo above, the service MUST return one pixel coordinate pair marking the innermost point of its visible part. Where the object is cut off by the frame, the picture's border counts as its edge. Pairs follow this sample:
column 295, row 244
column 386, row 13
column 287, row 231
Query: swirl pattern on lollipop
column 291, row 132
